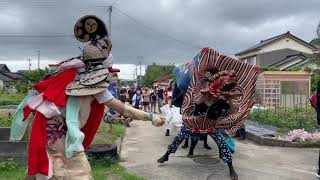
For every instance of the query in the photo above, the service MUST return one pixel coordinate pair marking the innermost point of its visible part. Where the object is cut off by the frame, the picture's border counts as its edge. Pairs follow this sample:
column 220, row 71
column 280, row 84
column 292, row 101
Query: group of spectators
column 147, row 99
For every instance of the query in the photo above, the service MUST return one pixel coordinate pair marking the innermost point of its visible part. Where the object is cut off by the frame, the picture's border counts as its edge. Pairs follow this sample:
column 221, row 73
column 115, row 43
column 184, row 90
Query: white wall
column 286, row 43
column 1, row 85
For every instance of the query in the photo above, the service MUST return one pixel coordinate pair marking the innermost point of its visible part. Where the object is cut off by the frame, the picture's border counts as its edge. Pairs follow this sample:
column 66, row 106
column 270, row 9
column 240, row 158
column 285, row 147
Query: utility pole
column 38, row 59
column 109, row 12
column 29, row 63
column 140, row 78
column 140, row 63
column 136, row 72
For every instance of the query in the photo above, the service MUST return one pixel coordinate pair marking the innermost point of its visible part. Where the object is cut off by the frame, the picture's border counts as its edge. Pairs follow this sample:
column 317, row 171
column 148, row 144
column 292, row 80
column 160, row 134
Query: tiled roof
column 164, row 78
column 6, row 78
column 273, row 39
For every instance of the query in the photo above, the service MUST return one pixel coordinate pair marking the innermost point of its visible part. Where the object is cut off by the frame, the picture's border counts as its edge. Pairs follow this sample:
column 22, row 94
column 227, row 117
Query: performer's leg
column 172, row 148
column 242, row 133
column 205, row 142
column 169, row 126
column 168, row 132
column 319, row 164
column 185, row 143
column 225, row 153
column 194, row 142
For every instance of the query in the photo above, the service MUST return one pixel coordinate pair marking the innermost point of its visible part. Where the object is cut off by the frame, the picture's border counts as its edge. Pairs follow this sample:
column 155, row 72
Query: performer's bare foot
column 164, row 158
column 168, row 132
column 233, row 174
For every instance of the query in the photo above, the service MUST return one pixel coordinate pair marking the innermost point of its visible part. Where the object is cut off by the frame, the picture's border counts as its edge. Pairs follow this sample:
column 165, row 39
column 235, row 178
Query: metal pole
column 109, row 12
column 38, row 59
column 140, row 79
column 29, row 61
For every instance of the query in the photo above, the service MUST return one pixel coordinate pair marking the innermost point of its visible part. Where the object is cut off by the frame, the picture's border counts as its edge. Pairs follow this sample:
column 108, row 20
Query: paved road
column 144, row 144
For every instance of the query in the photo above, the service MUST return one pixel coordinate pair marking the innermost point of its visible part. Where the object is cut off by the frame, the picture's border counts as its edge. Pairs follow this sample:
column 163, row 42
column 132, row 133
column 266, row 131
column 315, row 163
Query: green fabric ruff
column 74, row 137
column 18, row 127
column 150, row 116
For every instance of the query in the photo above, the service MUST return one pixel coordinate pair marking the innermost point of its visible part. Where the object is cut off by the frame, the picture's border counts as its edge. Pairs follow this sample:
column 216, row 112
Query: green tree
column 154, row 72
column 36, row 75
column 315, row 58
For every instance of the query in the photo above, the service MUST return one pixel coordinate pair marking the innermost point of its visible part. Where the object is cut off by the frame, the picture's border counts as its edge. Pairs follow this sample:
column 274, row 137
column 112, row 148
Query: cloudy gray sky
column 161, row 31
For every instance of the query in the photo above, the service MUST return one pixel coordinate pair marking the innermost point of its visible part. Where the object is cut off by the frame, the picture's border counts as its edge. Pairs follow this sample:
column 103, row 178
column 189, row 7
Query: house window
column 251, row 60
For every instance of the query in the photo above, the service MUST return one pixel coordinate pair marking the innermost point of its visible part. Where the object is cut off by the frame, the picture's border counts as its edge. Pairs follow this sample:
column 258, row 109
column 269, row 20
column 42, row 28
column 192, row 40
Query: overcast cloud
column 229, row 26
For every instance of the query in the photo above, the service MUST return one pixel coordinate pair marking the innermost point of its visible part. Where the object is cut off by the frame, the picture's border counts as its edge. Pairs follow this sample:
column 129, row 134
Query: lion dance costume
column 68, row 108
column 217, row 96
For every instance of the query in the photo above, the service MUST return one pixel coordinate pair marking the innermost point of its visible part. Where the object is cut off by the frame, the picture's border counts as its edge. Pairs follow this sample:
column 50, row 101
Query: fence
column 284, row 103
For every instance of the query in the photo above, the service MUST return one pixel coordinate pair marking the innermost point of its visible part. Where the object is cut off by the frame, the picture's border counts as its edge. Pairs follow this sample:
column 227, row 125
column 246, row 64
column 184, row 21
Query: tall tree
column 154, row 72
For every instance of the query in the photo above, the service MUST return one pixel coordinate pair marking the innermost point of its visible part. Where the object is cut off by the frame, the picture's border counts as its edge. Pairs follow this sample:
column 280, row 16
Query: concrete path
column 144, row 144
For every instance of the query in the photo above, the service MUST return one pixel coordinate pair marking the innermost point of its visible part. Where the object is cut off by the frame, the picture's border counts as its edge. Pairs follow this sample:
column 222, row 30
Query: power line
column 115, row 2
column 153, row 30
column 37, row 36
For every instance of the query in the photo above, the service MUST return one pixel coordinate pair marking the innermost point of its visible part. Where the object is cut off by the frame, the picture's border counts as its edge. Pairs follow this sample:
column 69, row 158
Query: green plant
column 23, row 88
column 269, row 69
column 107, row 136
column 36, row 75
column 5, row 121
column 11, row 99
column 295, row 69
column 106, row 168
column 8, row 165
column 154, row 72
column 315, row 77
column 286, row 118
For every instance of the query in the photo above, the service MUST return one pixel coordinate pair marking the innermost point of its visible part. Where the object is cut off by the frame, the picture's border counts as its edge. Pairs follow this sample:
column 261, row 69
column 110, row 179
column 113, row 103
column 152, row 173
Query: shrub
column 8, row 165
column 11, row 99
column 5, row 121
column 287, row 118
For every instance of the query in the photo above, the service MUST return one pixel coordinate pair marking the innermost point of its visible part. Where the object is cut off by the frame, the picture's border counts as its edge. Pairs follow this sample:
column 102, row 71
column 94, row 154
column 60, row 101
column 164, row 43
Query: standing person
column 137, row 100
column 165, row 93
column 160, row 97
column 146, row 99
column 131, row 93
column 170, row 92
column 153, row 100
column 123, row 94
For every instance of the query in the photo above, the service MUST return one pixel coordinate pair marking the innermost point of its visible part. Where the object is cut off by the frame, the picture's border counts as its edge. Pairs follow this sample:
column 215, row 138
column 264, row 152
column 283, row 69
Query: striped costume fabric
column 247, row 77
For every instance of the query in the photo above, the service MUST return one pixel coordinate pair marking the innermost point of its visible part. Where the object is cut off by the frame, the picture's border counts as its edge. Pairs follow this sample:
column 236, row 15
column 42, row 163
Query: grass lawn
column 101, row 168
column 11, row 99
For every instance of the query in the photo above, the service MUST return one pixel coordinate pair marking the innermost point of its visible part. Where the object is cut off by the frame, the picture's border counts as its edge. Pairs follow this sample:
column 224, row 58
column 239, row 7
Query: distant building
column 281, row 88
column 8, row 78
column 284, row 51
column 163, row 81
column 53, row 67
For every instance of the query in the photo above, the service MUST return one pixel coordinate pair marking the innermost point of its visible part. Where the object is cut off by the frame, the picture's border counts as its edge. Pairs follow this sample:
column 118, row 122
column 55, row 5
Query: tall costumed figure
column 68, row 108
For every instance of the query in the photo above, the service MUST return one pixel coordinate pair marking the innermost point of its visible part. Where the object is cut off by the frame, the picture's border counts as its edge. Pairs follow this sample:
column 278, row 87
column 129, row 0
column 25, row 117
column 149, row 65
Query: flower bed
column 300, row 135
